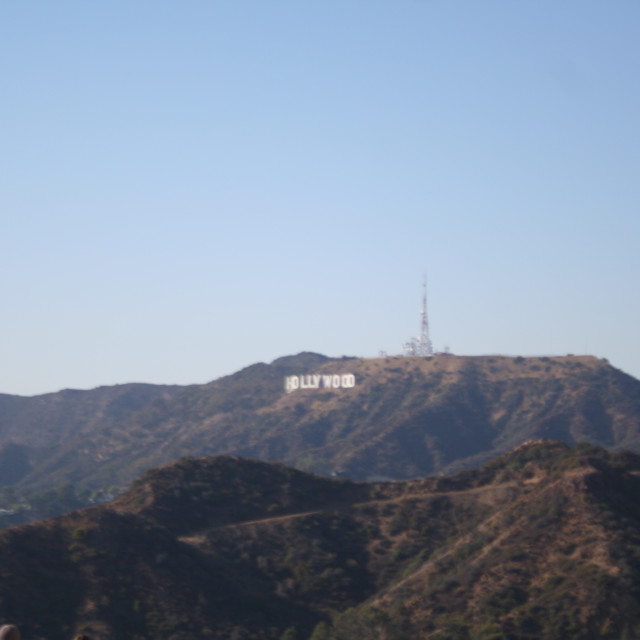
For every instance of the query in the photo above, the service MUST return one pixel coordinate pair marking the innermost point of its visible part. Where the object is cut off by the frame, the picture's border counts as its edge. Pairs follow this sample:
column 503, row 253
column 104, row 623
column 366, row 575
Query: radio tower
column 421, row 346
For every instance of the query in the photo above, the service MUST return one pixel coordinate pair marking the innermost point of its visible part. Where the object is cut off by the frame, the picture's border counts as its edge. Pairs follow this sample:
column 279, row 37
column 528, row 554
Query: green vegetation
column 541, row 543
column 406, row 418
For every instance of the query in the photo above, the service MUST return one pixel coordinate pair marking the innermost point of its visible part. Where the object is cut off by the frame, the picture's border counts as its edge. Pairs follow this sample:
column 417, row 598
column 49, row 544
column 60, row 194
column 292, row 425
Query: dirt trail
column 200, row 537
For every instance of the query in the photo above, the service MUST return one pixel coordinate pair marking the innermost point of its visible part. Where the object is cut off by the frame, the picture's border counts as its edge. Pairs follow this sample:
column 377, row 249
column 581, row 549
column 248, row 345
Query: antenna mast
column 425, row 340
column 421, row 346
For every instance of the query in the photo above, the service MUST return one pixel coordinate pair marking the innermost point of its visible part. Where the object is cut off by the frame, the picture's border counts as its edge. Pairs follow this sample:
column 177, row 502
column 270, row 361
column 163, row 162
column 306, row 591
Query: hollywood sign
column 317, row 381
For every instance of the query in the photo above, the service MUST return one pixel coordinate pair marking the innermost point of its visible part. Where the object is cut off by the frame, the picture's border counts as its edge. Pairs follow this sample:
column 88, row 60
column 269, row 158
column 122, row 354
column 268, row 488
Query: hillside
column 542, row 543
column 41, row 434
column 402, row 418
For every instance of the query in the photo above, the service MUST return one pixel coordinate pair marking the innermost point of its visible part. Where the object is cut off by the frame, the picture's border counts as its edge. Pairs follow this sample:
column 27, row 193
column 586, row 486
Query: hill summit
column 543, row 542
column 385, row 418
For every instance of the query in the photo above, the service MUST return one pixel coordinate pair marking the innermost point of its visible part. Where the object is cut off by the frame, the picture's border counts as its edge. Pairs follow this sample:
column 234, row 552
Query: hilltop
column 543, row 542
column 402, row 418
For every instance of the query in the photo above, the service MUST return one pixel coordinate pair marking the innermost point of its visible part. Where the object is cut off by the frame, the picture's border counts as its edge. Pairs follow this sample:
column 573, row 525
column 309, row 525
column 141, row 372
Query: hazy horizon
column 187, row 190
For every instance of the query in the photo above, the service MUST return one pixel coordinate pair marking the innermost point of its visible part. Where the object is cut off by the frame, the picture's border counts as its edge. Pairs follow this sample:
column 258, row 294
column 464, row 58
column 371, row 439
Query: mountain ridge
column 542, row 542
column 405, row 417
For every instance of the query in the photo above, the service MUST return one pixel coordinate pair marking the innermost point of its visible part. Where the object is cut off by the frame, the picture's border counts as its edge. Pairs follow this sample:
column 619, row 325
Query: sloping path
column 199, row 537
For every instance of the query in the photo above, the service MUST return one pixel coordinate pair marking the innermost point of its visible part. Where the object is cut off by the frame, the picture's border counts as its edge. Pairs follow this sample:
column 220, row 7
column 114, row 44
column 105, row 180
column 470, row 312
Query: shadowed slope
column 541, row 543
column 404, row 418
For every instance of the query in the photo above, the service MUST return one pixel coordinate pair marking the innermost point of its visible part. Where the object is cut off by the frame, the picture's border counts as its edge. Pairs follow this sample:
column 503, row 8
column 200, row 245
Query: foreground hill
column 541, row 543
column 396, row 417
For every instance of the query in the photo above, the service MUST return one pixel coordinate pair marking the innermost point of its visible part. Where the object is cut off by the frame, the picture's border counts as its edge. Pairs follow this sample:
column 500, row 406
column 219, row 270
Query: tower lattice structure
column 421, row 346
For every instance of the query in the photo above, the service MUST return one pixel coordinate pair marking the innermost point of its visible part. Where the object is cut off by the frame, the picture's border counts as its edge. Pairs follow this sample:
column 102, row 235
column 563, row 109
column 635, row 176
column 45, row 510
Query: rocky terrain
column 543, row 542
column 400, row 418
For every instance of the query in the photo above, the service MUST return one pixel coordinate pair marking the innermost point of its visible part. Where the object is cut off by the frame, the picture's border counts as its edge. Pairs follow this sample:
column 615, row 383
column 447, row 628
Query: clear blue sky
column 189, row 188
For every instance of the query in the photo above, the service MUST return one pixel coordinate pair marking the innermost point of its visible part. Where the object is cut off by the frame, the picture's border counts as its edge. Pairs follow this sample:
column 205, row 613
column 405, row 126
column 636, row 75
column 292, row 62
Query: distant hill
column 396, row 418
column 543, row 542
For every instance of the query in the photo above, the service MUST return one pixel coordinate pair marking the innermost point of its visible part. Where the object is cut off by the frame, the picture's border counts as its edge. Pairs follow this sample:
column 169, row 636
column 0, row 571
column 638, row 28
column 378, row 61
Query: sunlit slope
column 543, row 542
column 398, row 418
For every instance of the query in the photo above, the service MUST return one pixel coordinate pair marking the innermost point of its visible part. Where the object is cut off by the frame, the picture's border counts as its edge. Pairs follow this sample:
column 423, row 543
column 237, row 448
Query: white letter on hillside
column 348, row 381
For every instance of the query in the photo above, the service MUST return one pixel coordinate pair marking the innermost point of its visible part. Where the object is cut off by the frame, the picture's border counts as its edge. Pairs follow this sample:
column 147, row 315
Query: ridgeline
column 395, row 418
column 543, row 542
